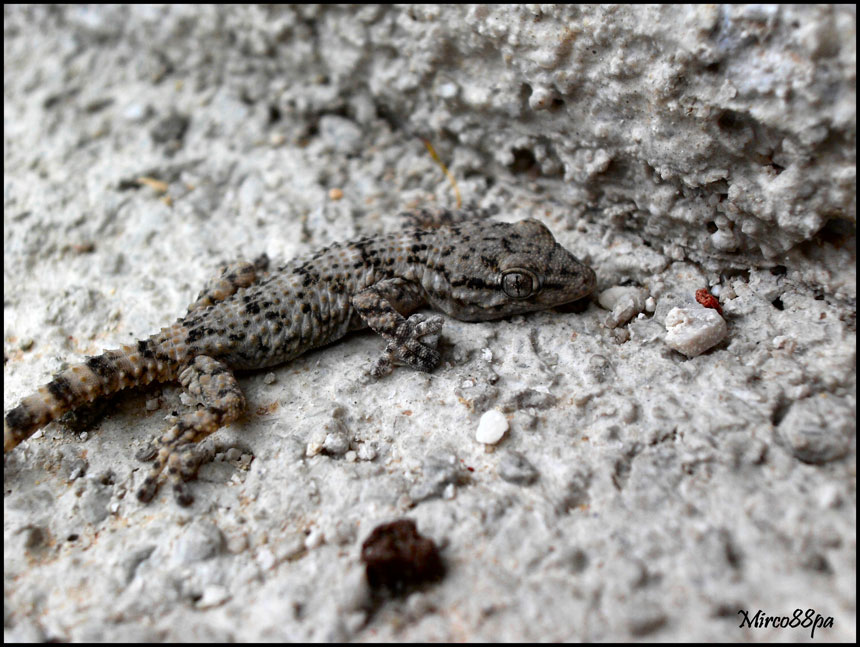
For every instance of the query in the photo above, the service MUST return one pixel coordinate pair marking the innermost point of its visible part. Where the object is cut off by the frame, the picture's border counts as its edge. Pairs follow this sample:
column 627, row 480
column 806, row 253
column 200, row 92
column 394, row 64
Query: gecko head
column 511, row 268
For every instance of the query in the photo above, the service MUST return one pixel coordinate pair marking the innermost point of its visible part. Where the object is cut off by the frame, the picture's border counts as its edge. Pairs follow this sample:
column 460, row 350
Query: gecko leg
column 240, row 274
column 214, row 385
column 411, row 342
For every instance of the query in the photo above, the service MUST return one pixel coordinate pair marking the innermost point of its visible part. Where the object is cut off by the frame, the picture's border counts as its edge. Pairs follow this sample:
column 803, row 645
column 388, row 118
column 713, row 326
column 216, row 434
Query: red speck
column 708, row 300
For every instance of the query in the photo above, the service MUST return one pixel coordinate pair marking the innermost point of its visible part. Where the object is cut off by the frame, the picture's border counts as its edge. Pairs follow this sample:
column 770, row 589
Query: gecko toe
column 182, row 494
column 146, row 491
column 146, row 453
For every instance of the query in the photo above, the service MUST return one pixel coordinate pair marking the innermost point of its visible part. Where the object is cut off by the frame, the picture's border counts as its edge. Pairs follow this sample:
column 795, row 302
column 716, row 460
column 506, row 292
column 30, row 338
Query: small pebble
column 152, row 404
column 621, row 335
column 336, row 443
column 200, row 541
column 366, row 452
column 624, row 302
column 315, row 444
column 439, row 470
column 491, row 427
column 397, row 558
column 269, row 378
column 213, row 596
column 315, row 539
column 341, row 134
column 447, row 90
column 136, row 112
column 819, row 428
column 692, row 331
column 724, row 241
column 515, row 468
column 265, row 558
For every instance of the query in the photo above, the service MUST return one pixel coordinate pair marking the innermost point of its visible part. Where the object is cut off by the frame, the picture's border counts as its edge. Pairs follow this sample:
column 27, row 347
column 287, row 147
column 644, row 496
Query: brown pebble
column 398, row 559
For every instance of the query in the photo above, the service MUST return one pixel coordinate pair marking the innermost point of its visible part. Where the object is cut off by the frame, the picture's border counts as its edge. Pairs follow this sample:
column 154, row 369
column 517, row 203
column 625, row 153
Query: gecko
column 251, row 317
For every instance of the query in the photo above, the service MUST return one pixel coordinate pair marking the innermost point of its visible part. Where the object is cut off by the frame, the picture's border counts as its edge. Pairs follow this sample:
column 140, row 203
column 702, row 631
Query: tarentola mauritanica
column 248, row 317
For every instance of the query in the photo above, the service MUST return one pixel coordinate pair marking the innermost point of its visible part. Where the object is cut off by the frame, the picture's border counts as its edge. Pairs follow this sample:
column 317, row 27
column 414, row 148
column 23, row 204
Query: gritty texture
column 637, row 495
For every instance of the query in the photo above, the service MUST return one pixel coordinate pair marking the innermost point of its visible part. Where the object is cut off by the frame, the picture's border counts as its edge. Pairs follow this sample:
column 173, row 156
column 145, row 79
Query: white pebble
column 315, row 539
column 447, row 90
column 336, row 443
column 625, row 302
column 610, row 297
column 213, row 596
column 692, row 331
column 491, row 427
column 265, row 558
column 313, row 448
column 366, row 452
column 724, row 241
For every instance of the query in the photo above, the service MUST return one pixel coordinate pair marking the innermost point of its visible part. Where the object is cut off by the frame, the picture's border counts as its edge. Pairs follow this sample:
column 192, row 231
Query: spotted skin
column 252, row 317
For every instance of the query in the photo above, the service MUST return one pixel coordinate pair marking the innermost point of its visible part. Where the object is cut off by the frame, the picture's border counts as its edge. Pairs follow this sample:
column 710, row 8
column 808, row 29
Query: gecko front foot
column 414, row 344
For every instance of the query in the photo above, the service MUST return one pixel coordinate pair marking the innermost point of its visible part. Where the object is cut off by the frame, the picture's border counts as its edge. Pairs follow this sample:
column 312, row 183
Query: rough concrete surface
column 637, row 493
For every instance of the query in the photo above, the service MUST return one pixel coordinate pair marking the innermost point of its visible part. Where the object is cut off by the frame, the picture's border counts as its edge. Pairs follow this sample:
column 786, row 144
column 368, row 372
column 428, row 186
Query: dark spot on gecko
column 61, row 389
column 144, row 349
column 19, row 418
column 489, row 262
column 101, row 366
column 194, row 335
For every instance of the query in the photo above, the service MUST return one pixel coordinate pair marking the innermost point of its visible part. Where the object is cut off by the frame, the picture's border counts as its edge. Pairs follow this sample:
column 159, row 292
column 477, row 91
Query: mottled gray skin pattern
column 249, row 317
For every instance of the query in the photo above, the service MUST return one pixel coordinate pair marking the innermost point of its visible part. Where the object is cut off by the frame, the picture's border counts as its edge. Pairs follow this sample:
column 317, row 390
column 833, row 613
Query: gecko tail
column 97, row 376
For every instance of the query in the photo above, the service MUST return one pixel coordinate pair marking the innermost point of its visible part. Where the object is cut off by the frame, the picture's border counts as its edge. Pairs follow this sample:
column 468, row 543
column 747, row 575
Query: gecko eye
column 519, row 283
